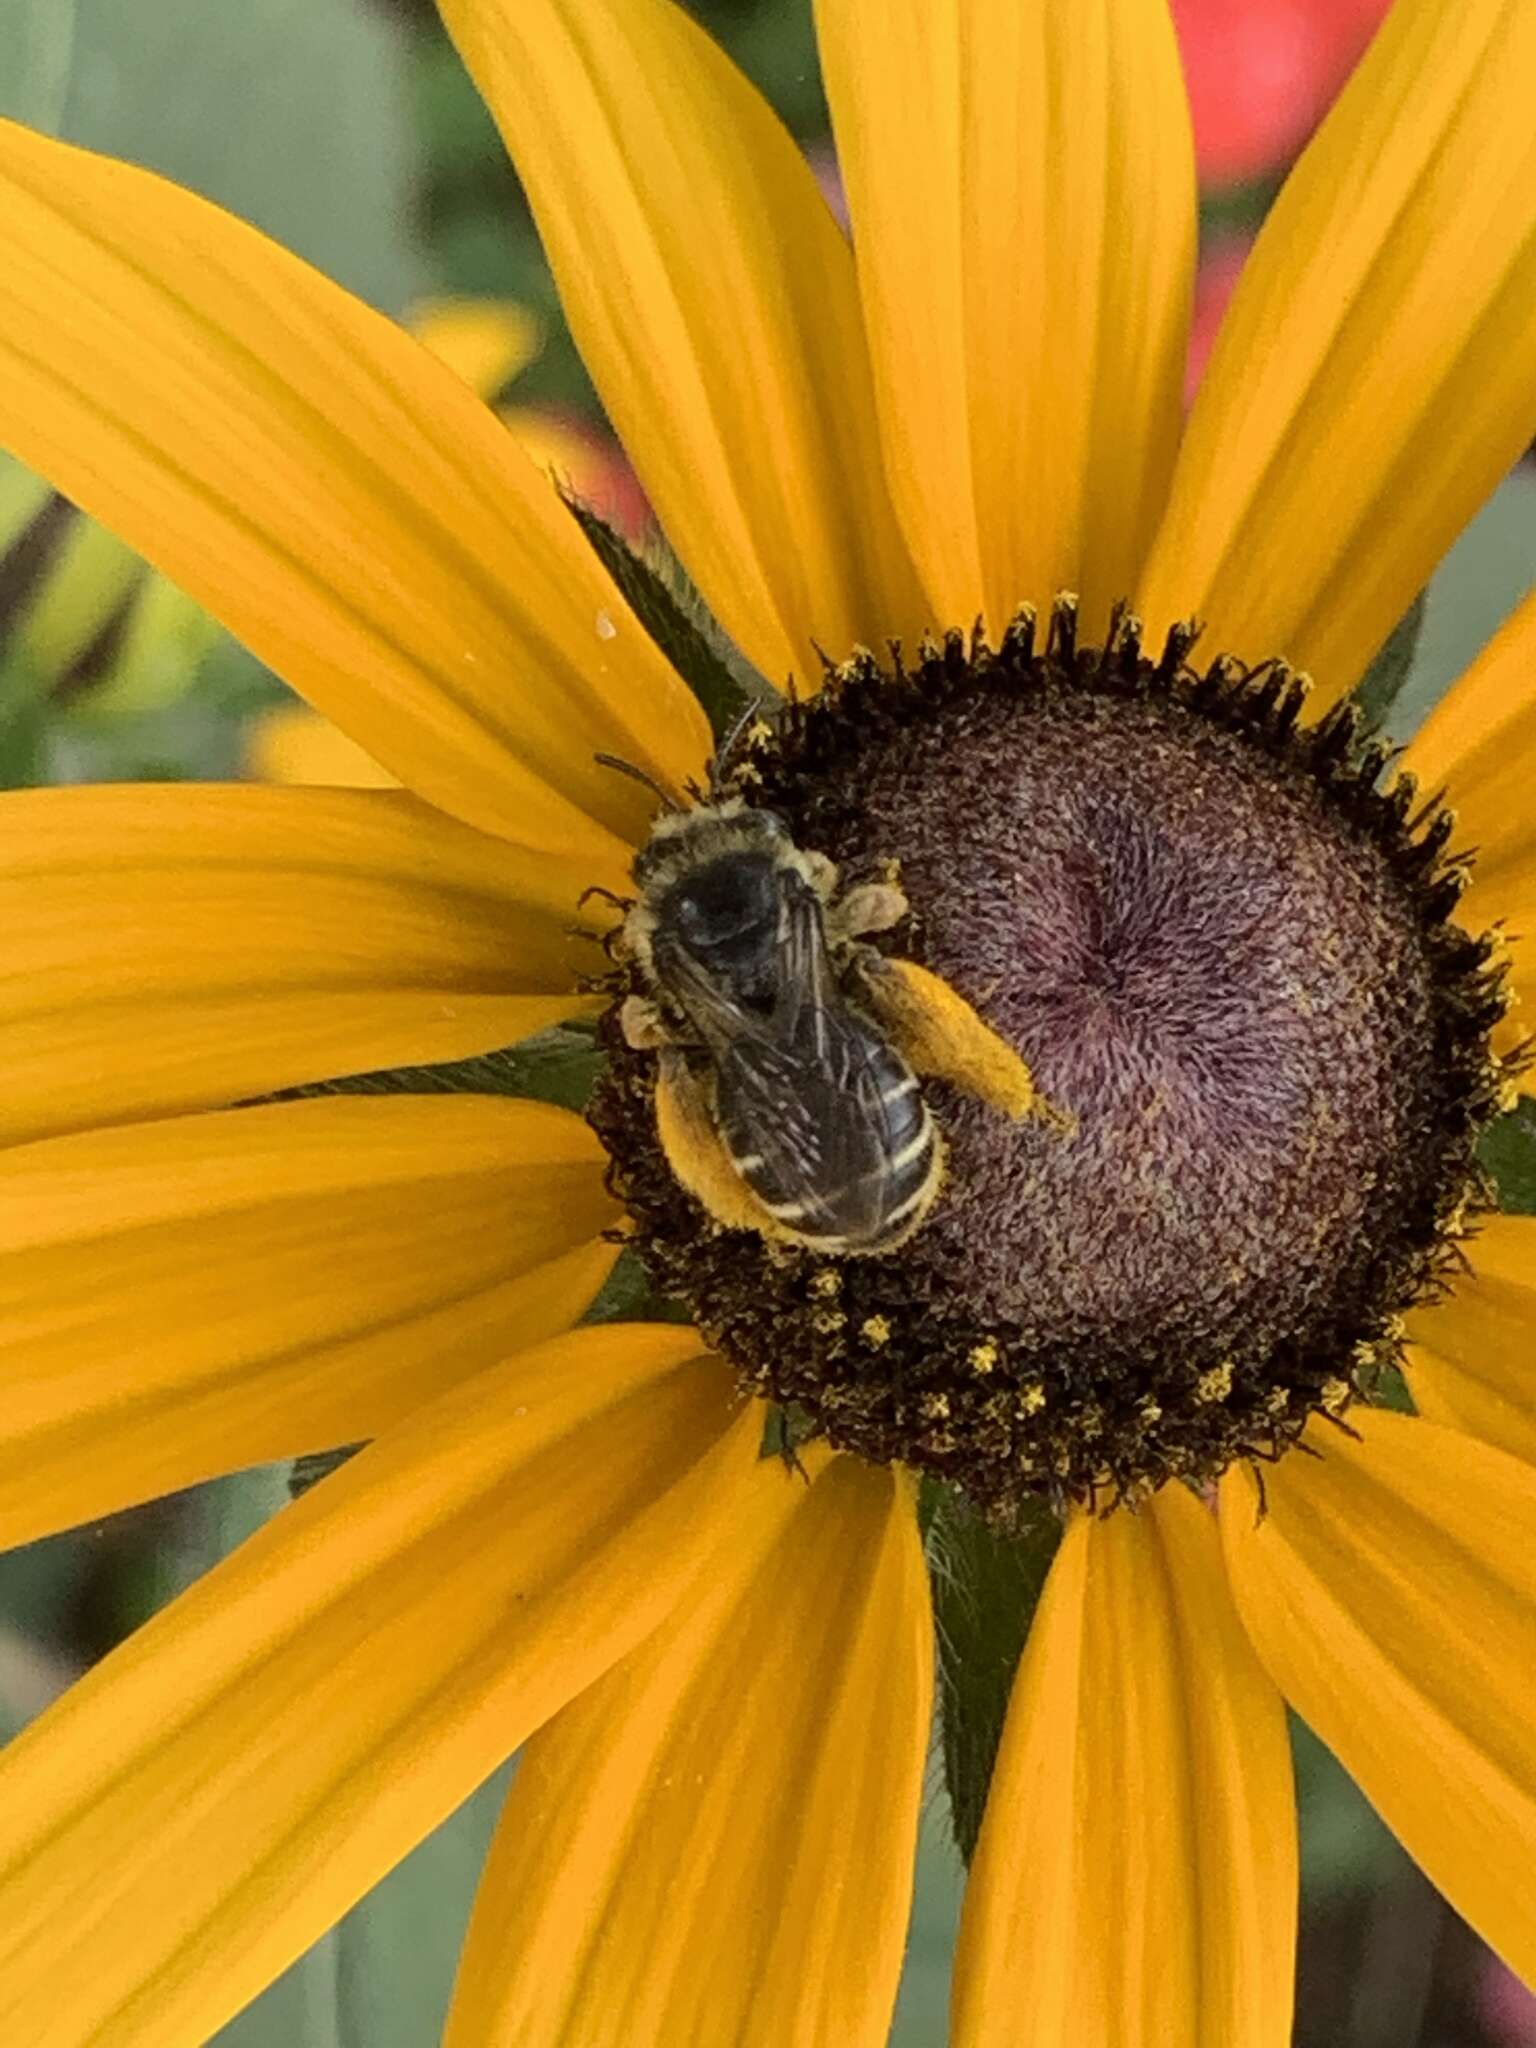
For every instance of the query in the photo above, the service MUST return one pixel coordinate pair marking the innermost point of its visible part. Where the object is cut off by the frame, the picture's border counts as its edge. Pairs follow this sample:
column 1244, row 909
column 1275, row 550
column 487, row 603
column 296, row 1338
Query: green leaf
column 676, row 620
column 985, row 1589
column 1378, row 688
column 24, row 733
column 37, row 45
column 1476, row 587
column 557, row 1066
column 292, row 113
column 1509, row 1154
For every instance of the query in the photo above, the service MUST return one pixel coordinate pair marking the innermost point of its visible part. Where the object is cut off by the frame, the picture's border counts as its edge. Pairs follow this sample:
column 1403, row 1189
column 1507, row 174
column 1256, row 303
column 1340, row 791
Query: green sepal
column 986, row 1586
column 557, row 1066
column 1509, row 1155
column 629, row 1296
column 659, row 595
column 1377, row 690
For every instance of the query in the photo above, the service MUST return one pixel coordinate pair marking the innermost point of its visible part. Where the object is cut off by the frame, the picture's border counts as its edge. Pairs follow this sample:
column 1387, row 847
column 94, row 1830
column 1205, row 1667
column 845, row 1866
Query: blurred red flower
column 1261, row 74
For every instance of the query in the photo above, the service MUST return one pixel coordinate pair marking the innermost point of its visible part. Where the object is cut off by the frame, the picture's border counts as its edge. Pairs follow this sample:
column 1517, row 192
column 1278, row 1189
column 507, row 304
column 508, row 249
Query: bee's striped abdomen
column 852, row 1163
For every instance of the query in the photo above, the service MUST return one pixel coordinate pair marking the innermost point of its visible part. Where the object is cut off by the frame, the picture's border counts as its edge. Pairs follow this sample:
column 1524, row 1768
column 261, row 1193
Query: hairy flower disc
column 1223, row 949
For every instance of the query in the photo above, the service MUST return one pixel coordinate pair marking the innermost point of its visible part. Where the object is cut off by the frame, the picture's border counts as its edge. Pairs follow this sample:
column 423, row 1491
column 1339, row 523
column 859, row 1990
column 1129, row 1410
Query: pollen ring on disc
column 1221, row 941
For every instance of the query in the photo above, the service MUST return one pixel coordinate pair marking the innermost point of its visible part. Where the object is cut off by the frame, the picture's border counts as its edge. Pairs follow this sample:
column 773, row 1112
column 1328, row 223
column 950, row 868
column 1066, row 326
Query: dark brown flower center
column 1225, row 953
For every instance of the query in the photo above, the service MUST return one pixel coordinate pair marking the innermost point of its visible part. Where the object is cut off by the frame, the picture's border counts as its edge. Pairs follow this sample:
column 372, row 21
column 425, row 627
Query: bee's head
column 710, row 881
column 684, row 840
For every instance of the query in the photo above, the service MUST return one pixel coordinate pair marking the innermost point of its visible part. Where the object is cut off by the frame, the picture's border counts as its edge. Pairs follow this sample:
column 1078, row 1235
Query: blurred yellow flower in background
column 567, row 1537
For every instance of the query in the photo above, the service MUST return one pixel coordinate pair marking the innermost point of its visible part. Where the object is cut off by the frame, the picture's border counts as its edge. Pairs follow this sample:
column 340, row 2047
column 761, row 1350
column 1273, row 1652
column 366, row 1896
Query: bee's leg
column 871, row 907
column 819, row 871
column 697, row 1155
column 940, row 1034
column 641, row 1023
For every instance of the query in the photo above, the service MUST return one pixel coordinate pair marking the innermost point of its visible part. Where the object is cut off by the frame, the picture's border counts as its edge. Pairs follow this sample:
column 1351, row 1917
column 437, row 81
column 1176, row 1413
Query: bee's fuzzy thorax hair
column 1225, row 943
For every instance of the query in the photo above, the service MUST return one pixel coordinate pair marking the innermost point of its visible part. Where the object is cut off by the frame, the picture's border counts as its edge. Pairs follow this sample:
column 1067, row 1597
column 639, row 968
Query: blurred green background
column 348, row 130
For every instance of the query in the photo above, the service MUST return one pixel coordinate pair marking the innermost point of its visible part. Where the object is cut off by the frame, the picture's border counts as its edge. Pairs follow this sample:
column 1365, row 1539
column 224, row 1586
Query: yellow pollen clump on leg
column 943, row 1037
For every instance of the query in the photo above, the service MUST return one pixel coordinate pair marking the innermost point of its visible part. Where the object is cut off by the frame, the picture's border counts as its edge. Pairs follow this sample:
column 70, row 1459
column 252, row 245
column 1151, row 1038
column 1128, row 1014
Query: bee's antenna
column 639, row 775
column 719, row 767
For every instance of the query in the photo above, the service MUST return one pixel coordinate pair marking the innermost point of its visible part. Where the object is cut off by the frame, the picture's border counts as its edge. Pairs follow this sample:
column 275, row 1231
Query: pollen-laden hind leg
column 942, row 1036
column 697, row 1154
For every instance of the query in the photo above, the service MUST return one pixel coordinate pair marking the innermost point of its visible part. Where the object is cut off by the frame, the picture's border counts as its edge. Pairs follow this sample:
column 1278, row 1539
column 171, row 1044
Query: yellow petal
column 1473, row 1360
column 184, row 1298
column 218, row 1791
column 715, row 1843
column 1135, row 1881
column 713, row 298
column 487, row 342
column 1022, row 186
column 293, row 744
column 1390, row 1588
column 1375, row 375
column 183, row 947
column 330, row 491
column 1478, row 745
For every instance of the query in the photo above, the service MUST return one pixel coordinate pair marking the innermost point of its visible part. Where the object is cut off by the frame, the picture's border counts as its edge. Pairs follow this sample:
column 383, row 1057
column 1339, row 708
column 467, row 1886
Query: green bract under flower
column 1223, row 947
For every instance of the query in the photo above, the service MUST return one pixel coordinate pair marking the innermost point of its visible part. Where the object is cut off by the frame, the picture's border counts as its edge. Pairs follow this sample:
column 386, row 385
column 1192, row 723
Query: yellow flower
column 566, row 1538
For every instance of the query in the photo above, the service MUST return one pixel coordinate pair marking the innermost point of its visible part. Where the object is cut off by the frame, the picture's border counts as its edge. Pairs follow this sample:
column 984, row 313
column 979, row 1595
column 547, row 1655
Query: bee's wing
column 809, row 1097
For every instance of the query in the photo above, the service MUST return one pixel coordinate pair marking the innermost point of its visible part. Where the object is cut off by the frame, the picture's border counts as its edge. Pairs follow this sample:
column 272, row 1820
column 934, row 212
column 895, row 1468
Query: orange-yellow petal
column 184, row 1298
column 1375, row 375
column 715, row 1843
column 182, row 947
column 1478, row 745
column 1022, row 186
column 713, row 297
column 1390, row 1589
column 332, row 493
column 196, row 1811
column 1135, row 1880
column 1472, row 1363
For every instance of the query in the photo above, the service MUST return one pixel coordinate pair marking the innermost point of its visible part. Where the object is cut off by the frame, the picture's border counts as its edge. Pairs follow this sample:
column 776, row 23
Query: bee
column 788, row 1097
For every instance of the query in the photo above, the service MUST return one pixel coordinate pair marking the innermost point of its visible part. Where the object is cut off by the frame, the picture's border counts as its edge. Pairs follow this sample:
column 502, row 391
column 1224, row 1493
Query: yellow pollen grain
column 1150, row 1411
column 827, row 1281
column 1030, row 1399
column 983, row 1356
column 1214, row 1385
column 875, row 1330
column 1335, row 1396
column 828, row 1322
column 1278, row 1401
column 934, row 1406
